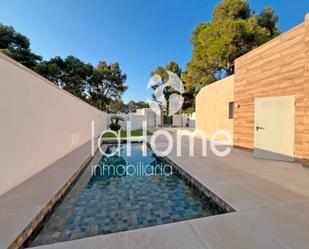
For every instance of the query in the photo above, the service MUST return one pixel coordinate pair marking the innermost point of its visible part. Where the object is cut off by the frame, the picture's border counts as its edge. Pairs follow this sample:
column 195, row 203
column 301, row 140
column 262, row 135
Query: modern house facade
column 271, row 99
column 219, row 95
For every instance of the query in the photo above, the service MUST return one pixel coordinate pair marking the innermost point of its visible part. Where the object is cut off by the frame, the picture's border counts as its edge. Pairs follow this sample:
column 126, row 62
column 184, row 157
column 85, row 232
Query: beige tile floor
column 20, row 205
column 271, row 199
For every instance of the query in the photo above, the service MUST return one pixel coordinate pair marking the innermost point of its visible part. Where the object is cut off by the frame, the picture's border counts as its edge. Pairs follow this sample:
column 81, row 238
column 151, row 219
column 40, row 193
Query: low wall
column 192, row 120
column 212, row 107
column 40, row 123
column 136, row 119
column 178, row 120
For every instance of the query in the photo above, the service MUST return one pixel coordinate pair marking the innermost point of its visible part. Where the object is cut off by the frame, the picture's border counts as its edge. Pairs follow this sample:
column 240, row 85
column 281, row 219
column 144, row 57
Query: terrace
column 271, row 200
column 52, row 142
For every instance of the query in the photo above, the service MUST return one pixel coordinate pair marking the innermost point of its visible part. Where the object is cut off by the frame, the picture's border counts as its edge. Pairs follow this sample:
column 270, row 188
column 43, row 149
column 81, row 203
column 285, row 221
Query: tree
column 116, row 106
column 268, row 19
column 189, row 100
column 233, row 32
column 115, row 126
column 70, row 73
column 101, row 86
column 132, row 105
column 17, row 46
column 167, row 90
column 107, row 84
column 53, row 70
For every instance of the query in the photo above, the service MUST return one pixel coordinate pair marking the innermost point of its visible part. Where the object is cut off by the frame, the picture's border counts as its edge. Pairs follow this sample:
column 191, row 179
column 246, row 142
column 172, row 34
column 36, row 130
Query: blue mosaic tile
column 109, row 203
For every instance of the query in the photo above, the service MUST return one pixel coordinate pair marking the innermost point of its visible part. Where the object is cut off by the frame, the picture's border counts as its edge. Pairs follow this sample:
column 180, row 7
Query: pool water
column 146, row 193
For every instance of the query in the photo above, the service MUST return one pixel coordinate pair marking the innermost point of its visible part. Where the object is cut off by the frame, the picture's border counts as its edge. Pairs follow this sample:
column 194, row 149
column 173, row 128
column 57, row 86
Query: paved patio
column 271, row 199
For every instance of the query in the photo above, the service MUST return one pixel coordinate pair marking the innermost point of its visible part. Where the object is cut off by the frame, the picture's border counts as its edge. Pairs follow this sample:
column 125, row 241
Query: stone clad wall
column 276, row 68
column 306, row 99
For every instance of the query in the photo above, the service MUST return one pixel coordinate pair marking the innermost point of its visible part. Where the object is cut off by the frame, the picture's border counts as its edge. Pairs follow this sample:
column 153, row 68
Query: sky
column 138, row 34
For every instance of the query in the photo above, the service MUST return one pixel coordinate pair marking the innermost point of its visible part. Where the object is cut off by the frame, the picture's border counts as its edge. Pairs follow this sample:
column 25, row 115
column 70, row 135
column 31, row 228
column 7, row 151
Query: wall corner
column 307, row 18
column 306, row 95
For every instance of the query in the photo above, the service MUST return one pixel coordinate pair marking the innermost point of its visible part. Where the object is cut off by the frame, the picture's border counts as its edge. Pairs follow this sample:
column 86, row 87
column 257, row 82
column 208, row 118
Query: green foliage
column 17, row 46
column 102, row 86
column 268, row 19
column 231, row 9
column 189, row 100
column 70, row 74
column 107, row 85
column 233, row 32
column 168, row 91
column 115, row 126
column 132, row 105
column 116, row 106
column 171, row 66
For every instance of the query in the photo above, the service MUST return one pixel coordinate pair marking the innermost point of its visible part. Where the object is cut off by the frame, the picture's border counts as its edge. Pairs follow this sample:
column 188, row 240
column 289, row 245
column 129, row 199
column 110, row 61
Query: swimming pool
column 130, row 192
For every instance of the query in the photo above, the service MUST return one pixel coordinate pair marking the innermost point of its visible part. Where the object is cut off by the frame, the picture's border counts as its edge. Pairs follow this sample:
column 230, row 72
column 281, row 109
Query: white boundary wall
column 192, row 120
column 183, row 120
column 178, row 120
column 136, row 119
column 40, row 123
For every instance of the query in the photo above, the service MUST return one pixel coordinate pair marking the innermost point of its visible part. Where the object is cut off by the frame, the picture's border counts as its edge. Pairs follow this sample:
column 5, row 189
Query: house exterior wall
column 276, row 68
column 40, row 123
column 306, row 97
column 212, row 107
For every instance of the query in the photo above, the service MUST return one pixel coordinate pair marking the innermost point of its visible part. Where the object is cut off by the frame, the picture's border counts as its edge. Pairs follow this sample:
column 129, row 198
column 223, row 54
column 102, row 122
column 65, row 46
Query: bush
column 115, row 126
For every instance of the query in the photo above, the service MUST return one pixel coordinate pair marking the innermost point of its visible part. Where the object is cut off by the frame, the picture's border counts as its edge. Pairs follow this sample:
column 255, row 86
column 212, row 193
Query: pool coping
column 188, row 177
column 193, row 183
column 35, row 222
column 39, row 218
column 257, row 222
column 200, row 188
column 264, row 203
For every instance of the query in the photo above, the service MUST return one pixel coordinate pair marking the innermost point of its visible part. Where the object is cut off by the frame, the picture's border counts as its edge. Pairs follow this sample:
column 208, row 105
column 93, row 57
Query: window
column 231, row 110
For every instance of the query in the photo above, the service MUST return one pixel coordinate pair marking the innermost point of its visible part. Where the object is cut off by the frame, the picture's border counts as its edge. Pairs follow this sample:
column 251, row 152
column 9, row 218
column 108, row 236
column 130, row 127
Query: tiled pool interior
column 108, row 203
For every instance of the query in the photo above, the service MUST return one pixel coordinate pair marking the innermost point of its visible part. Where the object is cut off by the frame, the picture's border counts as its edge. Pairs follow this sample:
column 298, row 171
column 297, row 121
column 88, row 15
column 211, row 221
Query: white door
column 274, row 128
